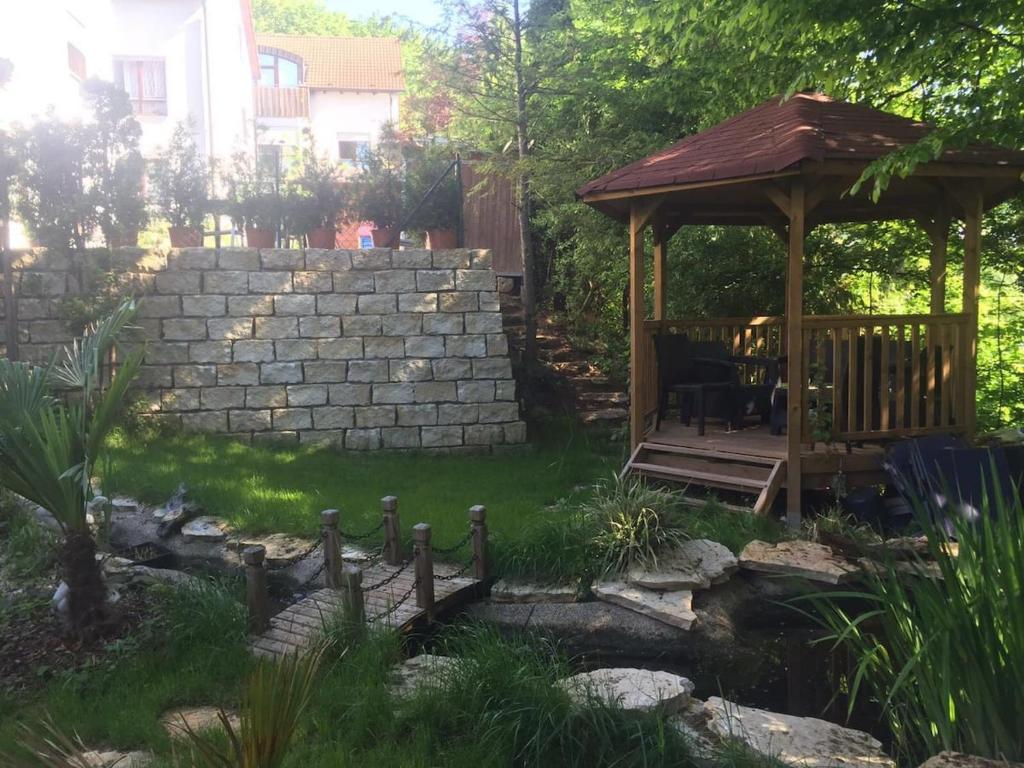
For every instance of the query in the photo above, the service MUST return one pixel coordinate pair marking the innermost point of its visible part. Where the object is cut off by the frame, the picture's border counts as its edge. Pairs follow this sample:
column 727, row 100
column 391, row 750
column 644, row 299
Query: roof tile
column 344, row 63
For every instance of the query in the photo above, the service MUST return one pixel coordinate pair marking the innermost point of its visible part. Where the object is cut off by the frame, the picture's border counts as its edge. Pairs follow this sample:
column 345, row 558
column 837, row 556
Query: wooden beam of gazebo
column 789, row 165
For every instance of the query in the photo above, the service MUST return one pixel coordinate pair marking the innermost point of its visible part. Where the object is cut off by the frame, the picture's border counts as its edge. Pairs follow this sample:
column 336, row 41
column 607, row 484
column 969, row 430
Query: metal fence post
column 256, row 587
column 392, row 531
column 424, row 557
column 332, row 547
column 478, row 534
column 353, row 608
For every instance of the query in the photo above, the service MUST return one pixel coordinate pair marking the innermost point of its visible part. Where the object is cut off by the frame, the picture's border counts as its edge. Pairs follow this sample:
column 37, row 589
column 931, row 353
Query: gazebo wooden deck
column 789, row 165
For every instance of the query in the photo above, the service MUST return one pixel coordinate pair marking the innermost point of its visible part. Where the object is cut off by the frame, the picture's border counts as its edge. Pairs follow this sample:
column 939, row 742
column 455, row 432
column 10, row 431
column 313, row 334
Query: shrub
column 378, row 188
column 253, row 199
column 441, row 209
column 181, row 181
column 319, row 196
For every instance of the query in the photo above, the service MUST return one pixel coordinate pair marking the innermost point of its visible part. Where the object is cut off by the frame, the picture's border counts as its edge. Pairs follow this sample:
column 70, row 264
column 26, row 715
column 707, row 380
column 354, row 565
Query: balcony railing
column 282, row 102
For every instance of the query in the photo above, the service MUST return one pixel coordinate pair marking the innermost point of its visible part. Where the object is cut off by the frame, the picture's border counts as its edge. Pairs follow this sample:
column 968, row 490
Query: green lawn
column 283, row 488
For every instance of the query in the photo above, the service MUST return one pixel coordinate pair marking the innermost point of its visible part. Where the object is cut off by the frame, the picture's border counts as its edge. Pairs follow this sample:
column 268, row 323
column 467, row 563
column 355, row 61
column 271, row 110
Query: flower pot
column 186, row 237
column 123, row 239
column 442, row 239
column 321, row 237
column 382, row 238
column 258, row 237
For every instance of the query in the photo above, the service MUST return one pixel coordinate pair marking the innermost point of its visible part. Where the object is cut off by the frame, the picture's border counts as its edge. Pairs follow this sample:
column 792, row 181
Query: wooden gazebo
column 789, row 165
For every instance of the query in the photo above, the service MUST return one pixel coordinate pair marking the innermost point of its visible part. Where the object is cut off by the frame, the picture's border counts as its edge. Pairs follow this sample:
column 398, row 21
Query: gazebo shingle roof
column 777, row 136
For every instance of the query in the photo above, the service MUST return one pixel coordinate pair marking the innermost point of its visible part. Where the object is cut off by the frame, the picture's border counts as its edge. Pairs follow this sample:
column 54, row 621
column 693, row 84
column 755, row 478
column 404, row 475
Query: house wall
column 361, row 349
column 335, row 115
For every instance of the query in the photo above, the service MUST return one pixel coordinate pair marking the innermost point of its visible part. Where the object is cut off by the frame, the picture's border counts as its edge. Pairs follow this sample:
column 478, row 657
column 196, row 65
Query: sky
column 424, row 12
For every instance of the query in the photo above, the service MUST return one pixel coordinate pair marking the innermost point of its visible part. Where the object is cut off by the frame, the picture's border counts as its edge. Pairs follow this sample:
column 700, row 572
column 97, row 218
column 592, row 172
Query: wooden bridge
column 390, row 591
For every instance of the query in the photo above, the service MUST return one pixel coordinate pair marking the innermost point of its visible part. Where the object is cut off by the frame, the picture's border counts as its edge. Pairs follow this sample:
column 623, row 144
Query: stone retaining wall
column 363, row 349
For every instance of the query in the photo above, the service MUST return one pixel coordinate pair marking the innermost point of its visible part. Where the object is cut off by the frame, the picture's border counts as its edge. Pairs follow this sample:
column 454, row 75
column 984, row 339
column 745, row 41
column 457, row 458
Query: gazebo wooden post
column 794, row 350
column 938, row 232
column 660, row 260
column 637, row 315
column 973, row 208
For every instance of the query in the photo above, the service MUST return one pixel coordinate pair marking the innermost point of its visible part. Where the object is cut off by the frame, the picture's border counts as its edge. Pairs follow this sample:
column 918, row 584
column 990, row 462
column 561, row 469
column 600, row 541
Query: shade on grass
column 261, row 489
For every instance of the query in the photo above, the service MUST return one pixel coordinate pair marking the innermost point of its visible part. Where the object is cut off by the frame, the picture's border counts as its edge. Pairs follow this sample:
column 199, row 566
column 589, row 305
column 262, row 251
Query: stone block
column 393, row 393
column 372, row 258
column 299, row 304
column 167, row 352
column 178, row 282
column 323, row 437
column 440, row 437
column 411, row 258
column 195, row 376
column 483, row 322
column 43, row 284
column 149, row 306
column 395, row 280
column 417, row 369
column 179, row 400
column 140, row 329
column 435, row 280
column 416, row 415
column 270, row 282
column 492, row 368
column 182, row 329
column 152, row 376
column 368, row 370
column 405, row 324
column 362, row 439
column 312, row 282
column 476, row 391
column 47, row 332
column 192, row 258
column 205, row 421
column 400, row 437
column 204, row 305
column 456, row 258
column 497, row 344
column 295, row 349
column 375, row 416
column 475, row 280
column 226, row 281
column 339, row 349
column 435, row 392
column 249, row 421
column 484, row 434
column 247, row 259
column 220, row 398
column 306, row 394
column 417, row 302
column 515, row 433
column 466, row 346
column 266, row 397
column 349, row 394
column 324, row 372
column 333, row 417
column 230, row 328
column 336, row 304
column 209, row 352
column 424, row 346
column 438, row 324
column 284, row 327
column 458, row 301
column 39, row 309
column 493, row 413
column 384, row 346
column 253, row 351
column 452, row 369
column 319, row 327
column 353, row 282
column 324, row 260
column 452, row 413
column 277, row 437
column 505, row 390
column 377, row 304
column 361, row 325
column 250, row 306
column 292, row 418
column 489, row 301
column 480, row 259
column 281, row 373
column 238, row 374
column 282, row 258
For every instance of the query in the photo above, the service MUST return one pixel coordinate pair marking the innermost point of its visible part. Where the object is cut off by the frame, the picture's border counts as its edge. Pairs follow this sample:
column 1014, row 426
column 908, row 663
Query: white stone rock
column 639, row 690
column 505, row 591
column 203, row 529
column 197, row 719
column 806, row 742
column 812, row 561
column 695, row 564
column 125, row 505
column 672, row 608
column 426, row 669
column 281, row 549
column 114, row 759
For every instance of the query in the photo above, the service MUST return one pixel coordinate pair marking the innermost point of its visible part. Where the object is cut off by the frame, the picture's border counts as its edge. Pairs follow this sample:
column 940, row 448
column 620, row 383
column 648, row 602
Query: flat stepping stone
column 196, row 718
column 282, row 549
column 426, row 669
column 114, row 759
column 672, row 608
column 695, row 564
column 806, row 742
column 506, row 591
column 635, row 690
column 806, row 559
column 204, row 529
column 960, row 760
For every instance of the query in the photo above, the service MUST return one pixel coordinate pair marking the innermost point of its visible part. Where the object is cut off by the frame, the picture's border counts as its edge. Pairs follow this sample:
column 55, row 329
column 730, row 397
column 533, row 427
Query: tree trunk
column 87, row 594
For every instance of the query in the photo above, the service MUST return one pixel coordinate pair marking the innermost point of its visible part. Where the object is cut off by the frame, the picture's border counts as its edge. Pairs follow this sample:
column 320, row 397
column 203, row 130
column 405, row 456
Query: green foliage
column 253, row 198
column 29, row 548
column 425, row 166
column 180, row 180
column 944, row 655
column 378, row 188
column 318, row 194
column 732, row 528
column 299, row 17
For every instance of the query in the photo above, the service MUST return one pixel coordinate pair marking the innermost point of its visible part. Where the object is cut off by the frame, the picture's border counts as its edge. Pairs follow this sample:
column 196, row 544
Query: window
column 76, row 62
column 144, row 81
column 353, row 151
column 269, row 161
column 279, row 71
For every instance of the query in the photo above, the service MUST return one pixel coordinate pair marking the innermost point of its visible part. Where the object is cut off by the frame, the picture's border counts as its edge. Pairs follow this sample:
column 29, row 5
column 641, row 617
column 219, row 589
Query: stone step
column 559, row 354
column 590, row 399
column 604, row 416
column 570, row 367
column 593, row 384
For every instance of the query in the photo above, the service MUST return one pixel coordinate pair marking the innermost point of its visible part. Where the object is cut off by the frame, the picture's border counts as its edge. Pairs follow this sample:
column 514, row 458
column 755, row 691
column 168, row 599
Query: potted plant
column 180, row 184
column 438, row 211
column 318, row 200
column 127, row 205
column 378, row 189
column 255, row 203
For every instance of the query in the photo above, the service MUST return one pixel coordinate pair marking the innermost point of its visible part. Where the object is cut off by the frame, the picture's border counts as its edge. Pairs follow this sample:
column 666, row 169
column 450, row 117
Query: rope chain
column 459, row 573
column 455, row 547
column 361, row 536
column 387, row 579
column 397, row 604
column 295, row 560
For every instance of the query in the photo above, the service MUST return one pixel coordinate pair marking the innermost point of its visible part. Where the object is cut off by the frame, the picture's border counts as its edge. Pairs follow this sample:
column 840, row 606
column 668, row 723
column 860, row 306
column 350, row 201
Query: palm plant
column 50, row 442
